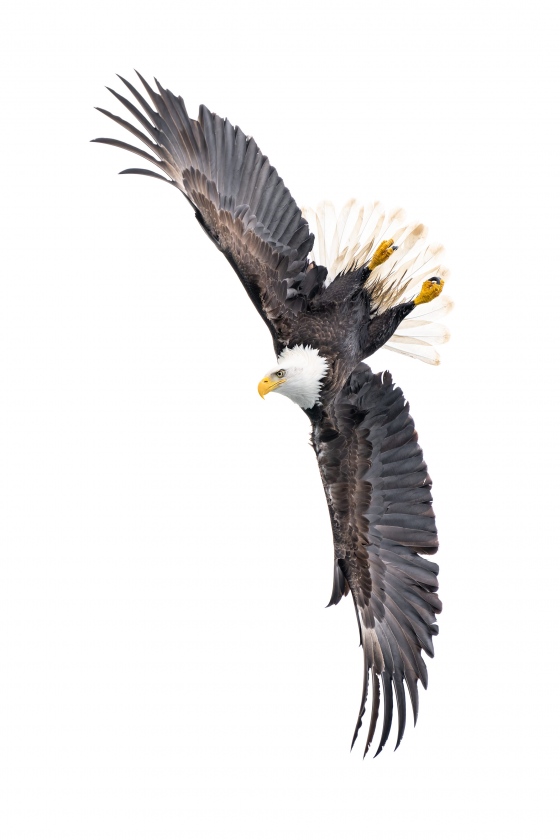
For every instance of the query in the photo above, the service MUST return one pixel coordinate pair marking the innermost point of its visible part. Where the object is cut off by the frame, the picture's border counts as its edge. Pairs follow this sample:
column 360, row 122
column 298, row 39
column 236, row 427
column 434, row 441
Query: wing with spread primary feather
column 238, row 197
column 379, row 496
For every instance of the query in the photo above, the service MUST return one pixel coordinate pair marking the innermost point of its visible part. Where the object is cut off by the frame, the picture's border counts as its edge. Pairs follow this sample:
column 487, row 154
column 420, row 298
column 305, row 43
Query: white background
column 167, row 667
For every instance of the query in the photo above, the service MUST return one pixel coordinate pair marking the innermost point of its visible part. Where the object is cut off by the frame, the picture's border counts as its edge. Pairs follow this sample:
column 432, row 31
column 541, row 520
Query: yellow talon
column 382, row 253
column 430, row 289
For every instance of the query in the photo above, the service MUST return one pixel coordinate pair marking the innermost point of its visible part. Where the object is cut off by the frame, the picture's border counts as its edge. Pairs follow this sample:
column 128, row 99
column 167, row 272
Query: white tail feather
column 427, row 354
column 347, row 241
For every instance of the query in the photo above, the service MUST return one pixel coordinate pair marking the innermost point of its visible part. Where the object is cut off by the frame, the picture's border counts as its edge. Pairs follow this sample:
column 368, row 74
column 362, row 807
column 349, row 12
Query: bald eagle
column 327, row 312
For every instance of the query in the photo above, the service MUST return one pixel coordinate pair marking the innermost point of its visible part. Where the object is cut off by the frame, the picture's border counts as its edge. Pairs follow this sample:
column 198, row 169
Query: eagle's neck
column 306, row 369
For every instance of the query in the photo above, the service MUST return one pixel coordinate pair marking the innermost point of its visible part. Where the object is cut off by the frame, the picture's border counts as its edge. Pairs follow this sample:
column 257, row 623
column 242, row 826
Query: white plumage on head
column 305, row 370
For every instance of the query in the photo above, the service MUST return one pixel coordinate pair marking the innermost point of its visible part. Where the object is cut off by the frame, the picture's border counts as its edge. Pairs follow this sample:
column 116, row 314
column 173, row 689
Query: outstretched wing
column 238, row 197
column 378, row 490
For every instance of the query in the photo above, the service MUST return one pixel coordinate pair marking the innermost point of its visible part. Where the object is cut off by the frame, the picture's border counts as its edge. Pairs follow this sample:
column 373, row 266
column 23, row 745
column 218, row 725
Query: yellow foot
column 383, row 253
column 430, row 289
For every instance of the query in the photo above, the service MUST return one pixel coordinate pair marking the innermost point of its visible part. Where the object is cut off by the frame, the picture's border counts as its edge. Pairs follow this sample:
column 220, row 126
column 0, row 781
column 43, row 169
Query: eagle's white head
column 297, row 375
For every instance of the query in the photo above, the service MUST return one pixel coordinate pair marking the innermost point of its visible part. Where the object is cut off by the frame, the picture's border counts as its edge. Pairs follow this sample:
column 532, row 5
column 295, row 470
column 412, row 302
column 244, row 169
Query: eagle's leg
column 382, row 253
column 382, row 327
column 430, row 289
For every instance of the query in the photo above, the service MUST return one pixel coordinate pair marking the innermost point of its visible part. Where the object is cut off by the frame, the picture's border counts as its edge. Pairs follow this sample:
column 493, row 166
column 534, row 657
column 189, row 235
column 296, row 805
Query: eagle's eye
column 280, row 374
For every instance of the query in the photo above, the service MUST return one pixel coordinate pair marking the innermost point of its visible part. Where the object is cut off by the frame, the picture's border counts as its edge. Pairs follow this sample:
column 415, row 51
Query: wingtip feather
column 374, row 712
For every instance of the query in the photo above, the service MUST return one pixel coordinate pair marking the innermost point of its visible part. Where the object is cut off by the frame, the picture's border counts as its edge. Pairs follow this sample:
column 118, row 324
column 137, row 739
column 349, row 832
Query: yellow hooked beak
column 267, row 385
